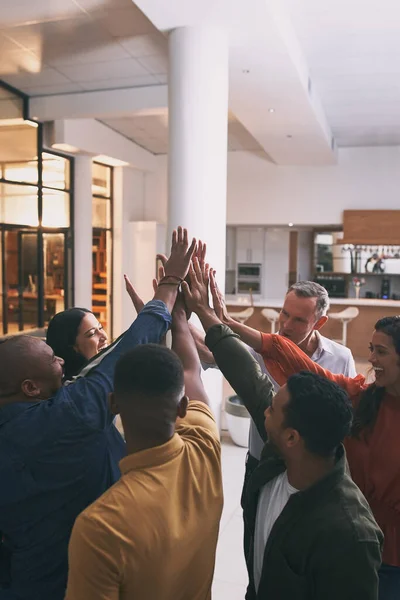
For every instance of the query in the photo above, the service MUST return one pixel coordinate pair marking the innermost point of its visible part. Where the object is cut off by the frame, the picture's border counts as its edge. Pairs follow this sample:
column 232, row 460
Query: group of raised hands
column 186, row 268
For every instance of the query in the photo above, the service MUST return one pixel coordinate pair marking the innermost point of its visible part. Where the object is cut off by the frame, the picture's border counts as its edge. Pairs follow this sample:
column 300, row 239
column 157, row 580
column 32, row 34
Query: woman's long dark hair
column 367, row 410
column 61, row 336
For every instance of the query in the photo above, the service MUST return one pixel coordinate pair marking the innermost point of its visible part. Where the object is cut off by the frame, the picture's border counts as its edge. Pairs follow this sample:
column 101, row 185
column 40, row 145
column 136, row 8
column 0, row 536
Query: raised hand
column 218, row 300
column 177, row 265
column 134, row 296
column 200, row 253
column 136, row 299
column 196, row 294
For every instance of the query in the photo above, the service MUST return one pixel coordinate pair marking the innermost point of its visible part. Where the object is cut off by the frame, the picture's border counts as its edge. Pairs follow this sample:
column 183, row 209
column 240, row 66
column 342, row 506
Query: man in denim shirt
column 59, row 449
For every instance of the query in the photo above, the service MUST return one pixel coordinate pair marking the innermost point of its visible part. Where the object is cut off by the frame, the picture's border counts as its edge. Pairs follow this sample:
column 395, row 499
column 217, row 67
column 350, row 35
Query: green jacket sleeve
column 242, row 372
column 347, row 571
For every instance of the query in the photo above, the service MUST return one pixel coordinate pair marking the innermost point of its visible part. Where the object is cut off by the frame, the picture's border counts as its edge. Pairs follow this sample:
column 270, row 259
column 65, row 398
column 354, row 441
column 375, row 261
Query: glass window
column 101, row 180
column 55, row 208
column 101, row 294
column 55, row 171
column 18, row 204
column 18, row 152
column 54, row 264
column 101, row 209
column 21, row 281
column 323, row 252
column 21, row 235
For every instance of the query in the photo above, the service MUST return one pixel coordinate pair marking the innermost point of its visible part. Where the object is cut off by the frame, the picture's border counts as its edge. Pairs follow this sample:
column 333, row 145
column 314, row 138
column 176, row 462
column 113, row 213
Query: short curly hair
column 319, row 410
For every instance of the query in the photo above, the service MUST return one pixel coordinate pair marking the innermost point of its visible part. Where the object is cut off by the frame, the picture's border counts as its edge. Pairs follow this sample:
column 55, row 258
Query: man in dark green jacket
column 312, row 533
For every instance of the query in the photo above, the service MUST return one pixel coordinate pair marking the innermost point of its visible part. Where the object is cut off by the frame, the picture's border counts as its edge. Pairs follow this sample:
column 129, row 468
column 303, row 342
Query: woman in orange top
column 373, row 449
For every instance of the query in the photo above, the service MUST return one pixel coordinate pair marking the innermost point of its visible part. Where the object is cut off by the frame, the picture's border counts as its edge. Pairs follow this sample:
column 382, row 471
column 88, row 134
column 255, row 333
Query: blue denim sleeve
column 88, row 395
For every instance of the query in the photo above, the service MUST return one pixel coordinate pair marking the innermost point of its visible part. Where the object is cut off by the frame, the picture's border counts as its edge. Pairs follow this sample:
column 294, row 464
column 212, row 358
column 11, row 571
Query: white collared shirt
column 330, row 355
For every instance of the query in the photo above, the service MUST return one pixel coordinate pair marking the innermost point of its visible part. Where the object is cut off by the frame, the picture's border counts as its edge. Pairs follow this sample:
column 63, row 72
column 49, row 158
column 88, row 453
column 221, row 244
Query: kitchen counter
column 244, row 301
column 359, row 329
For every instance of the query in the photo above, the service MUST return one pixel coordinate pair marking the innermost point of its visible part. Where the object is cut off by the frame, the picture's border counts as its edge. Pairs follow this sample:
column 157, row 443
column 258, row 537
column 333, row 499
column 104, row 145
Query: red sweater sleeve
column 283, row 358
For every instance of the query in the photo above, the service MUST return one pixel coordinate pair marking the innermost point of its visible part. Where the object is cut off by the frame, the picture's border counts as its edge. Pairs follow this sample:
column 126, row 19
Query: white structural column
column 198, row 130
column 83, row 232
column 197, row 157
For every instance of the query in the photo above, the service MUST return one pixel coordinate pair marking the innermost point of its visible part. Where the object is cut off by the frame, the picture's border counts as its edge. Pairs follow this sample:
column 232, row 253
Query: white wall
column 156, row 191
column 261, row 193
column 129, row 205
column 138, row 196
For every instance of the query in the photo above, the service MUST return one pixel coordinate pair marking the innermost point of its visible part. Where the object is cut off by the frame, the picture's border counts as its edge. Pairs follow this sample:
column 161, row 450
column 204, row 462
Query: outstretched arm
column 248, row 335
column 185, row 347
column 283, row 358
column 89, row 394
column 231, row 355
column 206, row 357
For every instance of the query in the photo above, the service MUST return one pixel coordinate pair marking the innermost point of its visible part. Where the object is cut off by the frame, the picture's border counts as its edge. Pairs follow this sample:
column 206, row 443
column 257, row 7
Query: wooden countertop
column 244, row 301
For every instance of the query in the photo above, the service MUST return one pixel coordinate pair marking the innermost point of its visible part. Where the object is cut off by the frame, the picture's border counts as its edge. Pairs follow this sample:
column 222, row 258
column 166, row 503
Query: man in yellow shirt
column 153, row 535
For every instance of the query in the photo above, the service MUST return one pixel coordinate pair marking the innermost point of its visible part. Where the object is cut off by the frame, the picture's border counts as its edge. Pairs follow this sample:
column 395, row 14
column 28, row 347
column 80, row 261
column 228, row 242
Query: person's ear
column 182, row 407
column 112, row 404
column 320, row 323
column 30, row 389
column 292, row 438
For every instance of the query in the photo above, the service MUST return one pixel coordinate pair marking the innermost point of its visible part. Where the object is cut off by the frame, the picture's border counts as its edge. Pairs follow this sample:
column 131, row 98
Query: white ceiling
column 352, row 48
column 151, row 132
column 63, row 46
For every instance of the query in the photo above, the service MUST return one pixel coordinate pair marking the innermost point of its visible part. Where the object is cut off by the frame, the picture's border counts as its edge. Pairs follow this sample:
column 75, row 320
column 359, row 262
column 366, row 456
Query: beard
column 273, row 447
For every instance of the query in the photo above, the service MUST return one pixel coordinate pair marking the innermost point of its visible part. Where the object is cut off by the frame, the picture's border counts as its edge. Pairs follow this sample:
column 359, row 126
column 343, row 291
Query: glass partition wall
column 102, row 192
column 35, row 237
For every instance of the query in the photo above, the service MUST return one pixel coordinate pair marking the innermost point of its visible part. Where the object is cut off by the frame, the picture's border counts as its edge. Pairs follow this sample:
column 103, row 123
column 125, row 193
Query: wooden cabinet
column 371, row 227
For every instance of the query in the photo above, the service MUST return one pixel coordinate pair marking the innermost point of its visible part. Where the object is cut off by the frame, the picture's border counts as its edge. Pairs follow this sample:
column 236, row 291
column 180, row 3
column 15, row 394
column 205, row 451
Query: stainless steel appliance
column 248, row 278
column 335, row 285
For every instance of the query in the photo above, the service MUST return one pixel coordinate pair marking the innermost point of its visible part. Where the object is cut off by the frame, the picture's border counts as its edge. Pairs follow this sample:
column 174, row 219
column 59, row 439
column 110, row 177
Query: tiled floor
column 230, row 578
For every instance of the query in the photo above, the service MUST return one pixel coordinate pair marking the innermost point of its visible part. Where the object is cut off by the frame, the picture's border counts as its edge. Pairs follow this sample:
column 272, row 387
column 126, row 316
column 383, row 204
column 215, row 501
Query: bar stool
column 243, row 315
column 345, row 316
column 272, row 316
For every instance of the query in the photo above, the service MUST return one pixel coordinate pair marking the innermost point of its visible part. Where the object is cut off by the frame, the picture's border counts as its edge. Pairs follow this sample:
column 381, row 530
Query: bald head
column 29, row 369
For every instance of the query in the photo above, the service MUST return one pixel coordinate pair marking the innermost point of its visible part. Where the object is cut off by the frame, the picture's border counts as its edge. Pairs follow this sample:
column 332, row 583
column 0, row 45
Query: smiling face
column 385, row 361
column 91, row 337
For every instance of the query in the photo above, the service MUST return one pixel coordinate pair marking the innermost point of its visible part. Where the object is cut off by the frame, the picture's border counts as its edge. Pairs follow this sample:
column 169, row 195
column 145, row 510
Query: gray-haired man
column 303, row 314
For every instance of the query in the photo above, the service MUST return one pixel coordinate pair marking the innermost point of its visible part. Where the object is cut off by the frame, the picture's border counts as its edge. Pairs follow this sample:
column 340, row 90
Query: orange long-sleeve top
column 374, row 461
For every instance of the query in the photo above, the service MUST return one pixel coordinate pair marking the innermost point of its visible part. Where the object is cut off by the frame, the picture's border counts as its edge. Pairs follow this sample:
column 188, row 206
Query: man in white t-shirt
column 312, row 535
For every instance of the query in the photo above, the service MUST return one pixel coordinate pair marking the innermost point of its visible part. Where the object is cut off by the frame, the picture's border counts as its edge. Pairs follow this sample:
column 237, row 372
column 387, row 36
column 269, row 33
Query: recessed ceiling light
column 271, row 110
column 290, row 224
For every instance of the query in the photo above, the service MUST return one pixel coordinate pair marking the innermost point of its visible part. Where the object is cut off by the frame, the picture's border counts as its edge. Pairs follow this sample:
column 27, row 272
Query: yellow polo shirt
column 153, row 535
